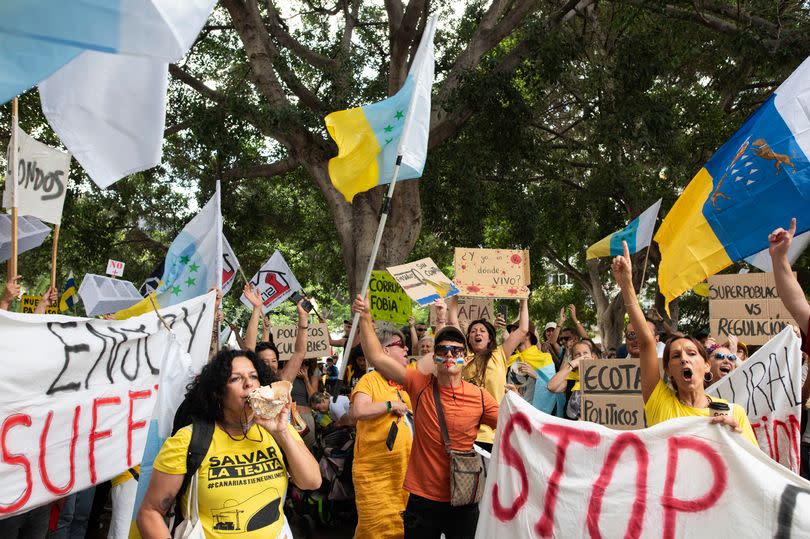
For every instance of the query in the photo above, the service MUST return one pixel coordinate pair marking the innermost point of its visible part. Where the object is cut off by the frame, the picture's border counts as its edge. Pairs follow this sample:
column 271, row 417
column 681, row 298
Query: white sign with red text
column 549, row 477
column 769, row 388
column 275, row 282
column 115, row 268
column 76, row 396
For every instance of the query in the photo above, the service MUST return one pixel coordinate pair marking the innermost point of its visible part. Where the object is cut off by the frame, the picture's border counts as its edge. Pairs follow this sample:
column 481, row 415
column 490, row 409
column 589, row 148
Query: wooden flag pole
column 12, row 177
column 53, row 255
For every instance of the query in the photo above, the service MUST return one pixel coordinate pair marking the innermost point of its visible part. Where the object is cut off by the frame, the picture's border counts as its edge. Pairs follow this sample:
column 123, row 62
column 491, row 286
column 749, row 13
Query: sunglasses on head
column 722, row 356
column 398, row 344
column 443, row 349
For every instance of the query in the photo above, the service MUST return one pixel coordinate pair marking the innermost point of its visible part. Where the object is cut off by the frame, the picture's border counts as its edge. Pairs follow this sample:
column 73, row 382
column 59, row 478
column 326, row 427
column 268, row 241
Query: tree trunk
column 357, row 224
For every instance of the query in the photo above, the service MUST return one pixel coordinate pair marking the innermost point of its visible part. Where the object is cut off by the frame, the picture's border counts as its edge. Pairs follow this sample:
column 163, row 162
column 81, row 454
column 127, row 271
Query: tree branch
column 279, row 31
column 269, row 170
column 190, row 80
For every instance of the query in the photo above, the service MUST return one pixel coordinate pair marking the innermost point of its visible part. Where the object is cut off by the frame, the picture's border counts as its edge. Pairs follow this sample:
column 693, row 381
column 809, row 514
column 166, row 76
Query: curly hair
column 477, row 369
column 205, row 393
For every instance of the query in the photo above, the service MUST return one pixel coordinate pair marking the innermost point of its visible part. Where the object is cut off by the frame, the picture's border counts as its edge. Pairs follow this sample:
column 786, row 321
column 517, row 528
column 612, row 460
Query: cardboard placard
column 746, row 305
column 29, row 302
column 494, row 273
column 423, row 281
column 611, row 393
column 469, row 309
column 115, row 268
column 317, row 340
column 387, row 299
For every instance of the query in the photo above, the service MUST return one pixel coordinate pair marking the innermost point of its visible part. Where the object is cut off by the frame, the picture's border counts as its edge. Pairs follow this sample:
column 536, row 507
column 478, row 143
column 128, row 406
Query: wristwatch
column 388, row 405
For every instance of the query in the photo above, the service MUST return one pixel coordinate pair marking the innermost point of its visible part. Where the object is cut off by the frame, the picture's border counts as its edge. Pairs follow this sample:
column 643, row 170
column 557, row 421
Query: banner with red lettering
column 76, row 396
column 549, row 477
column 769, row 388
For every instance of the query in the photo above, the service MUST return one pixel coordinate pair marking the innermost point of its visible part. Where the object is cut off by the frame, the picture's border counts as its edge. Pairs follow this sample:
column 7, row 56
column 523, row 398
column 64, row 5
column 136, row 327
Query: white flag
column 275, row 282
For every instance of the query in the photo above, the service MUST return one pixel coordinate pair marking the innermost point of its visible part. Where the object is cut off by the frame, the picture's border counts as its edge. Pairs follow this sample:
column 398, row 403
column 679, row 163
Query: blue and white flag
column 638, row 235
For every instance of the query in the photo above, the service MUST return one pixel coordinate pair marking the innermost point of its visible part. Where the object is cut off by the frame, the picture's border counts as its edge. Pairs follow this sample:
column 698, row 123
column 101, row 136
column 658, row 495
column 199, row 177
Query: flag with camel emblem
column 754, row 183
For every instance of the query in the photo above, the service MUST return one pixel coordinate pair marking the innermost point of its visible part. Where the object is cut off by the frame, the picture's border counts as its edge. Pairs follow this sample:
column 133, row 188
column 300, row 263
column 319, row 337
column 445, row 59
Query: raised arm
column 623, row 273
column 516, row 337
column 266, row 328
column 48, row 298
column 580, row 328
column 412, row 331
column 290, row 370
column 452, row 314
column 788, row 288
column 252, row 330
column 239, row 340
column 559, row 382
column 372, row 348
column 555, row 335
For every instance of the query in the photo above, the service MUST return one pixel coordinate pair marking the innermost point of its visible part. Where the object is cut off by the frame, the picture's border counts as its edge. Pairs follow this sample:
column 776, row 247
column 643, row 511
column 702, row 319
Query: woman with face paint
column 487, row 362
column 686, row 363
column 428, row 512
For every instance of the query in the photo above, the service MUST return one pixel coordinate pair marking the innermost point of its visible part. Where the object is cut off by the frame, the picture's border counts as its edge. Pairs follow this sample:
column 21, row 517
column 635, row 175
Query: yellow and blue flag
column 68, row 299
column 371, row 138
column 638, row 235
column 753, row 184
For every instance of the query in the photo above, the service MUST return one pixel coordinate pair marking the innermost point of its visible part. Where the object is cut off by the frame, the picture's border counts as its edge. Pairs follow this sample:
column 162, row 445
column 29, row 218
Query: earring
column 708, row 377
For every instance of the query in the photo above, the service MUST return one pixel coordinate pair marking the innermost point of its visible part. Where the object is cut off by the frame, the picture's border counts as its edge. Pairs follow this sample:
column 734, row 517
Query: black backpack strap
column 202, row 432
column 134, row 473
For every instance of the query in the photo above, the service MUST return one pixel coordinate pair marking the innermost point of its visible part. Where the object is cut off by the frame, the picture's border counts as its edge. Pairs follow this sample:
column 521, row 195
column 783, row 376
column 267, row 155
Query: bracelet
column 388, row 406
column 441, row 321
column 303, row 327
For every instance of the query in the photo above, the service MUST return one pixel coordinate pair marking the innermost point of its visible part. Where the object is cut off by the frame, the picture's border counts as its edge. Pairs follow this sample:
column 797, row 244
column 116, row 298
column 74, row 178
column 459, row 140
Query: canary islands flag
column 753, row 184
column 68, row 299
column 371, row 138
column 638, row 235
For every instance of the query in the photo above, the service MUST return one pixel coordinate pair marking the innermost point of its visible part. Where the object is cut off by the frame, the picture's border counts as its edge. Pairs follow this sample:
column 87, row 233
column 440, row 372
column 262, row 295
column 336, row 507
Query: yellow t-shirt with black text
column 241, row 483
column 494, row 383
column 663, row 404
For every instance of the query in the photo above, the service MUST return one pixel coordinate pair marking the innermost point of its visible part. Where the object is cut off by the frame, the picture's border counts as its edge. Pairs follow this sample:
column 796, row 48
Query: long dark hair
column 481, row 360
column 205, row 393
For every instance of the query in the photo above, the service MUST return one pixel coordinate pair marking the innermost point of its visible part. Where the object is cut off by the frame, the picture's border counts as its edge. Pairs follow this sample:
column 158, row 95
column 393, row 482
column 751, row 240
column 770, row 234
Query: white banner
column 275, row 282
column 77, row 394
column 549, row 477
column 42, row 178
column 769, row 388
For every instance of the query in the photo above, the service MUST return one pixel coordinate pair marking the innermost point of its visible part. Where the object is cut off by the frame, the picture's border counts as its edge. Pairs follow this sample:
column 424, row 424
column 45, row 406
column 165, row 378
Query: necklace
column 708, row 401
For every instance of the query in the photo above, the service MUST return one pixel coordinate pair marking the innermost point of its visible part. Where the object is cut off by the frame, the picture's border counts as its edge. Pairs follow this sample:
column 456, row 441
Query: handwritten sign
column 494, row 273
column 75, row 410
column 275, row 282
column 470, row 309
column 611, row 393
column 115, row 268
column 42, row 177
column 423, row 281
column 549, row 477
column 28, row 304
column 317, row 340
column 768, row 386
column 388, row 300
column 746, row 305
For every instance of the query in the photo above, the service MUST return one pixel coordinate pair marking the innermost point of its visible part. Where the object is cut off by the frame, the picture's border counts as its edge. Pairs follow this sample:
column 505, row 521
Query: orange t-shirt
column 428, row 473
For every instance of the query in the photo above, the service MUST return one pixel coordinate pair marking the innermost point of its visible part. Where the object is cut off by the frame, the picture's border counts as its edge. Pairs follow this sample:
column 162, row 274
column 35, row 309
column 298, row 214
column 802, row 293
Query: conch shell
column 268, row 401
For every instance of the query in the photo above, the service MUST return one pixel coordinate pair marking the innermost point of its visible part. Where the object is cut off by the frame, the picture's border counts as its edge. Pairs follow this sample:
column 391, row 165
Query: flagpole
column 53, row 255
column 12, row 176
column 217, row 326
column 386, row 207
column 644, row 271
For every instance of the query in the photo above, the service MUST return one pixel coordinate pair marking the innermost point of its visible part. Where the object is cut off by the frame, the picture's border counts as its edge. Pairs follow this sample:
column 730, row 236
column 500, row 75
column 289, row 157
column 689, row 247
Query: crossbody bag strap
column 440, row 415
column 483, row 410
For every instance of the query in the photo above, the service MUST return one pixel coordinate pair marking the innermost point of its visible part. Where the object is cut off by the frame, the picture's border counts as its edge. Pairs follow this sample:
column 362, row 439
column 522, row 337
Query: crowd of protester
column 410, row 401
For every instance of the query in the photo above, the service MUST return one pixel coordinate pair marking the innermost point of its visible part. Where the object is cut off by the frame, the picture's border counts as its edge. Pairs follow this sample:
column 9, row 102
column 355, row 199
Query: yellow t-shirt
column 241, row 484
column 372, row 433
column 663, row 404
column 122, row 478
column 574, row 375
column 494, row 382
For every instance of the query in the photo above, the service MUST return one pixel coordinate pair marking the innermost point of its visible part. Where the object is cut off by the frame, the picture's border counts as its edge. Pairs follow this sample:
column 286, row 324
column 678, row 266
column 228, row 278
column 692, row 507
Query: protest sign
column 423, row 281
column 115, row 268
column 28, row 304
column 549, row 477
column 611, row 393
column 387, row 299
column 275, row 282
column 317, row 340
column 494, row 273
column 76, row 395
column 469, row 309
column 768, row 386
column 42, row 177
column 746, row 305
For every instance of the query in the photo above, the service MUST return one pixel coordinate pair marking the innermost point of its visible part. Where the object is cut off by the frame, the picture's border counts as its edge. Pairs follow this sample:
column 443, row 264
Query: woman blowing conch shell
column 268, row 401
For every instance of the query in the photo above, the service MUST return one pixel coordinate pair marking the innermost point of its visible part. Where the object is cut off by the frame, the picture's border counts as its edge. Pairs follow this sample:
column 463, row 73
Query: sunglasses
column 630, row 335
column 443, row 349
column 721, row 357
column 398, row 344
